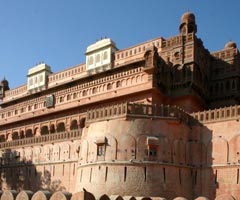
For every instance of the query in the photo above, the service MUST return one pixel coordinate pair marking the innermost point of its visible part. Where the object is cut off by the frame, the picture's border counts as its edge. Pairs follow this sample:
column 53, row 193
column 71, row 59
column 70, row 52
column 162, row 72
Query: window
column 152, row 152
column 90, row 60
column 97, row 58
column 105, row 55
column 100, row 149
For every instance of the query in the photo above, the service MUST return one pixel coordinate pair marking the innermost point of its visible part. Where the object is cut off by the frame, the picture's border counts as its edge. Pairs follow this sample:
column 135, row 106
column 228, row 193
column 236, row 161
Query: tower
column 3, row 87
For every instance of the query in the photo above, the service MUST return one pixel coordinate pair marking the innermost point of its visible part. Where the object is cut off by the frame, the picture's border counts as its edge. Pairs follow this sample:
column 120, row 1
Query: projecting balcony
column 131, row 110
column 44, row 139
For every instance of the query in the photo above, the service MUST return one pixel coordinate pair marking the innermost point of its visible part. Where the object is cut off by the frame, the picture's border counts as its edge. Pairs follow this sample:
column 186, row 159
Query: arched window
column 105, row 55
column 68, row 97
column 82, row 122
column 84, row 93
column 118, row 84
column 61, row 127
column 61, row 99
column 15, row 136
column 74, row 125
column 29, row 133
column 2, row 138
column 94, row 90
column 35, row 106
column 109, row 86
column 44, row 130
column 74, row 95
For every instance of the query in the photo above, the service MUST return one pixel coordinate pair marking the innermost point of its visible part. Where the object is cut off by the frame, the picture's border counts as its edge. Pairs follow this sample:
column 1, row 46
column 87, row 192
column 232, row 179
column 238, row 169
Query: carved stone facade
column 153, row 121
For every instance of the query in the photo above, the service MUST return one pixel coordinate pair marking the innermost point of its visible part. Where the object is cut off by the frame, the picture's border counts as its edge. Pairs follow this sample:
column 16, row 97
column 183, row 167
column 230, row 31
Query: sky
column 58, row 32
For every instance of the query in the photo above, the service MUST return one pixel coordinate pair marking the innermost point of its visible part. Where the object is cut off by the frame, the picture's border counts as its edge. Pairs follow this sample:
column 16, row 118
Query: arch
column 60, row 127
column 179, row 152
column 138, row 79
column 62, row 99
column 111, row 148
column 118, row 84
column 44, row 130
column 46, row 153
column 2, row 138
column 56, row 152
column 94, row 90
column 24, row 195
column 127, row 148
column 217, row 151
column 74, row 95
column 133, row 80
column 65, row 152
column 74, row 125
column 109, row 86
column 82, row 122
column 69, row 97
column 234, row 149
column 15, row 135
column 9, row 137
column 84, row 93
column 37, row 132
column 29, row 133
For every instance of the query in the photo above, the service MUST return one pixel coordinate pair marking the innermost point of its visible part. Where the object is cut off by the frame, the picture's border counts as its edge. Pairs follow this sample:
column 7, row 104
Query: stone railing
column 224, row 54
column 137, row 110
column 221, row 114
column 56, row 137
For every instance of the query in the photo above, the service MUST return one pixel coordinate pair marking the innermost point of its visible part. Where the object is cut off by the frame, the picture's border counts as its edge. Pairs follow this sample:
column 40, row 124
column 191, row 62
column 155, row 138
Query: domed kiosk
column 188, row 24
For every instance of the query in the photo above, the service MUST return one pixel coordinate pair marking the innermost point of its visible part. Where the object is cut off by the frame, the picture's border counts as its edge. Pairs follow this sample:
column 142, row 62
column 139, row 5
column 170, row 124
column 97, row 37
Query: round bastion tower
column 135, row 157
column 136, row 149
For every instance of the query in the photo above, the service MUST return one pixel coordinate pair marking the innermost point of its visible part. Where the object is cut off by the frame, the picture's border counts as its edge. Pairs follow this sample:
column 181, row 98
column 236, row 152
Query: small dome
column 4, row 82
column 230, row 45
column 188, row 17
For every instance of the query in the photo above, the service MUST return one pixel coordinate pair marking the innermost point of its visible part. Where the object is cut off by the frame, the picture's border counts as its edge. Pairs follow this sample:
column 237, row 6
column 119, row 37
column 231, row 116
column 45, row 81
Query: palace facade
column 158, row 120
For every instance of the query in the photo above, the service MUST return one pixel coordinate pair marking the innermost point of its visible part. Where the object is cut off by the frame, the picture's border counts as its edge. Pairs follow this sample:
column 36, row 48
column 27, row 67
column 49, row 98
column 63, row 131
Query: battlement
column 218, row 115
column 128, row 110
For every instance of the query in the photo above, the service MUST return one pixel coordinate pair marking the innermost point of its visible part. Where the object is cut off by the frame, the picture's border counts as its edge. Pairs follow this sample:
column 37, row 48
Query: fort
column 154, row 121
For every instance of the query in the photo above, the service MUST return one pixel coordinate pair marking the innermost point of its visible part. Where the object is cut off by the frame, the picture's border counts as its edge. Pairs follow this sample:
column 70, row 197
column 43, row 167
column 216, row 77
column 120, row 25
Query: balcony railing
column 138, row 110
column 216, row 115
column 60, row 136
